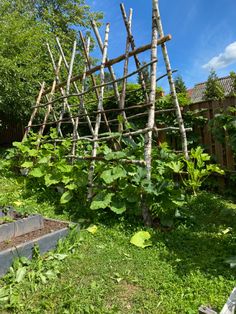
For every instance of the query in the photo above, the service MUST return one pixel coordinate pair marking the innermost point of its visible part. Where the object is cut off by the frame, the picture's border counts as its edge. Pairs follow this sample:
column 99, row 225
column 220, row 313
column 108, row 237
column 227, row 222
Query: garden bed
column 31, row 231
column 14, row 224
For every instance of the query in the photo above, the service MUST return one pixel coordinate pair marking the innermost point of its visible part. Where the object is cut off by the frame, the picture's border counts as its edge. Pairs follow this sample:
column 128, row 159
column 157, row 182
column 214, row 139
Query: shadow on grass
column 189, row 251
column 202, row 242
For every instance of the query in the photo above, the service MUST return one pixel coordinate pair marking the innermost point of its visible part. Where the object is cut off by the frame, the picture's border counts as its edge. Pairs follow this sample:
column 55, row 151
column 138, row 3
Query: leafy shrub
column 118, row 186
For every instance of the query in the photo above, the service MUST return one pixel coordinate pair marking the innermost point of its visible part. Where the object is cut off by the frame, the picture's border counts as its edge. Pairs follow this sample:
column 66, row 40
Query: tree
column 213, row 90
column 146, row 74
column 233, row 87
column 62, row 17
column 180, row 85
column 26, row 26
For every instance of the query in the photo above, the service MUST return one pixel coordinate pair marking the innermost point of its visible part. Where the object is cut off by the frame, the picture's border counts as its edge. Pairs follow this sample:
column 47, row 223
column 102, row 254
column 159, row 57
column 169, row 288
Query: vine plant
column 118, row 187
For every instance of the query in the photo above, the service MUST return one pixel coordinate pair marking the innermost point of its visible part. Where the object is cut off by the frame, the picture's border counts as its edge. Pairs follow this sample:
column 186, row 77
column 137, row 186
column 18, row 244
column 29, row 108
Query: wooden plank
column 216, row 106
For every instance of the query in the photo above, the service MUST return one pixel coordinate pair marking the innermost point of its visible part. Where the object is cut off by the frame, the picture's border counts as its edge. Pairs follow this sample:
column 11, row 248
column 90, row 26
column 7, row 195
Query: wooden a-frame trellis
column 58, row 108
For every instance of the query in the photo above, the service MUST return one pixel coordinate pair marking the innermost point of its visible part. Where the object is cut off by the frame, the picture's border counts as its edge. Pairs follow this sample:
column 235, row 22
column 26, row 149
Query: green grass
column 183, row 269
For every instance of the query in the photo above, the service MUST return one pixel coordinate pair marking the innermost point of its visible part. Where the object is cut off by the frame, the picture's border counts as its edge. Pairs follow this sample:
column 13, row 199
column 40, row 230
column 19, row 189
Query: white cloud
column 223, row 59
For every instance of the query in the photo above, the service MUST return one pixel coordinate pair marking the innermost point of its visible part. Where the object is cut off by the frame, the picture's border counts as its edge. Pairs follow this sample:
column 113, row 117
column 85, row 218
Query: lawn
column 103, row 273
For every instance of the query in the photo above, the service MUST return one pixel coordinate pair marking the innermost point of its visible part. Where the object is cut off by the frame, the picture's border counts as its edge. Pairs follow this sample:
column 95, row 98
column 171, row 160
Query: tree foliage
column 213, row 90
column 233, row 87
column 146, row 74
column 180, row 85
column 26, row 26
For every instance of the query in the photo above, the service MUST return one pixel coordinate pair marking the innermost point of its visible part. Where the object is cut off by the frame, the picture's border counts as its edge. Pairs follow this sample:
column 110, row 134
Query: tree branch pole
column 111, row 62
column 30, row 123
column 151, row 116
column 99, row 86
column 58, row 81
column 110, row 68
column 120, row 135
column 93, row 78
column 41, row 130
column 87, row 49
column 133, row 46
column 63, row 93
column 75, row 86
column 124, row 82
column 99, row 158
column 171, row 81
column 98, row 118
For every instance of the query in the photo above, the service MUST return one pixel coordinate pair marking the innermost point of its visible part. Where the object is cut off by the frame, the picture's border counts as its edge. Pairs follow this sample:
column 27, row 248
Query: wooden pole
column 63, row 93
column 99, row 86
column 28, row 128
column 124, row 82
column 151, row 118
column 75, row 86
column 98, row 118
column 112, row 62
column 133, row 46
column 110, row 68
column 171, row 81
column 42, row 128
column 93, row 78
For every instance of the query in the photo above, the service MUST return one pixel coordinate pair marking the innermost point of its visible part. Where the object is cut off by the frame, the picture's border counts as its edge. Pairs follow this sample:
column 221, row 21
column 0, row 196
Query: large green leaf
column 51, row 179
column 113, row 174
column 4, row 294
column 118, row 206
column 107, row 176
column 37, row 173
column 33, row 152
column 27, row 164
column 65, row 168
column 141, row 239
column 66, row 197
column 176, row 166
column 71, row 186
column 44, row 160
column 101, row 201
column 20, row 274
column 92, row 229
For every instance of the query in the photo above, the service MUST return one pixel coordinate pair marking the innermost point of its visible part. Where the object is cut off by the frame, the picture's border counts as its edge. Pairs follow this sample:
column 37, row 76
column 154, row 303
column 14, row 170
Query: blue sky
column 203, row 31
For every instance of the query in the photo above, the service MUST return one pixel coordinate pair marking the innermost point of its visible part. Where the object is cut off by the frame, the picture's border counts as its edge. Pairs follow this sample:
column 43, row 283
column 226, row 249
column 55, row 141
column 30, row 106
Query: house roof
column 197, row 93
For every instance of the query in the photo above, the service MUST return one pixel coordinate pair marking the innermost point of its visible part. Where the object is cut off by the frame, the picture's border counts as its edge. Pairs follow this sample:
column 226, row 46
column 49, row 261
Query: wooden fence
column 10, row 131
column 222, row 153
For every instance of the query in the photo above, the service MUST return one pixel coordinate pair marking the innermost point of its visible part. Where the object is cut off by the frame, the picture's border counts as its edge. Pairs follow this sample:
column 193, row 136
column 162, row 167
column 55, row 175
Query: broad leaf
column 140, row 239
column 101, row 201
column 113, row 174
column 27, row 164
column 176, row 166
column 4, row 294
column 44, row 160
column 107, row 176
column 50, row 179
column 92, row 229
column 66, row 197
column 71, row 187
column 118, row 206
column 33, row 152
column 65, row 168
column 20, row 274
column 37, row 173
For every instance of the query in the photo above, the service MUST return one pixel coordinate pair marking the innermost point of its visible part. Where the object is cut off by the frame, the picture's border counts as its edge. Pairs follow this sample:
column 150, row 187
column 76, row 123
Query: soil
column 9, row 214
column 49, row 227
